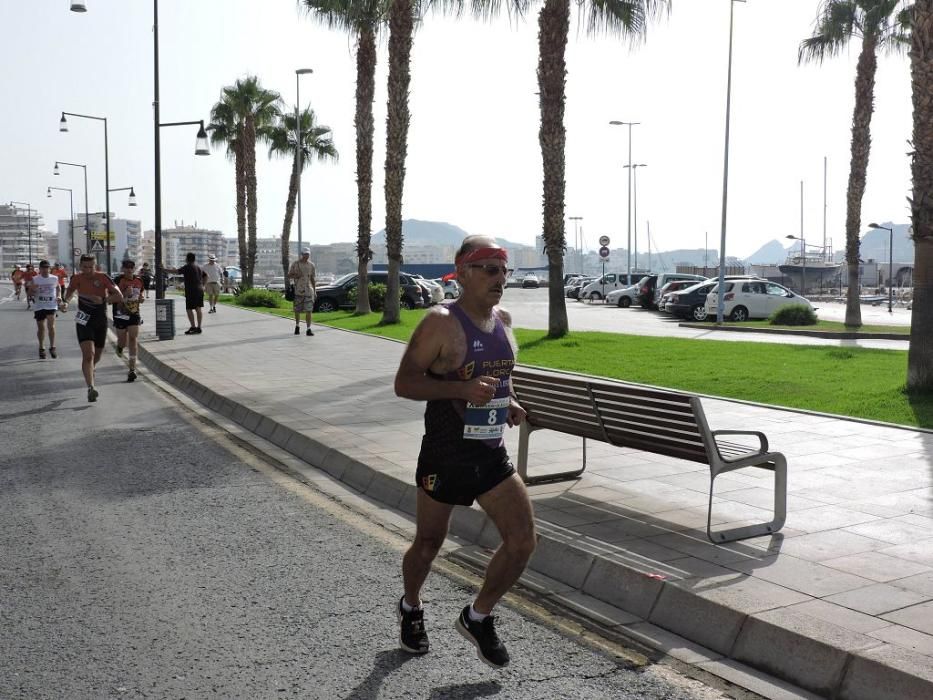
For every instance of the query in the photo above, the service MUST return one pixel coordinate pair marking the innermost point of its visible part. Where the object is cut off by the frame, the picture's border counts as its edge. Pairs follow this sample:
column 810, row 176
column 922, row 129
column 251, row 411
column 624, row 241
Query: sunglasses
column 490, row 269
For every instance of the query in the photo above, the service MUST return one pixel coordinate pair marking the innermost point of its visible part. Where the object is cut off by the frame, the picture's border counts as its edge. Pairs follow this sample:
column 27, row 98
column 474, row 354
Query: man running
column 17, row 277
column 27, row 279
column 213, row 275
column 301, row 274
column 459, row 360
column 46, row 292
column 62, row 274
column 95, row 290
column 126, row 317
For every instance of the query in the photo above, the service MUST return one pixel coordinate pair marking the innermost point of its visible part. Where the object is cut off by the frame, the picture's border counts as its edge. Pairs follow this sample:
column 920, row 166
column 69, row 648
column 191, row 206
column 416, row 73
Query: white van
column 609, row 282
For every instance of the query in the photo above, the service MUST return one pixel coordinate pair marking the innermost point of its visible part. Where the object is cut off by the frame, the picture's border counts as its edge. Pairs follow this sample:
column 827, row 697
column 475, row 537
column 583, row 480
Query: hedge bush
column 377, row 296
column 259, row 297
column 793, row 315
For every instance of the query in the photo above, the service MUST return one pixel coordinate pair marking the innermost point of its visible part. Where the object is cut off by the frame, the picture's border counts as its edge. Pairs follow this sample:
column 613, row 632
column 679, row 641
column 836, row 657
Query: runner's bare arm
column 426, row 345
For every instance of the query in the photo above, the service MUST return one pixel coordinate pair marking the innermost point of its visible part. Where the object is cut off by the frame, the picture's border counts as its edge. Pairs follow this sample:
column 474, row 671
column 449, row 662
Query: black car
column 337, row 295
column 691, row 302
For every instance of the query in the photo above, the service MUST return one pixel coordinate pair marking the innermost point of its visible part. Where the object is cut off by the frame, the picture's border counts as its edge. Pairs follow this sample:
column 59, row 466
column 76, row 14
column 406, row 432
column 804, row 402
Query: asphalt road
column 529, row 309
column 143, row 557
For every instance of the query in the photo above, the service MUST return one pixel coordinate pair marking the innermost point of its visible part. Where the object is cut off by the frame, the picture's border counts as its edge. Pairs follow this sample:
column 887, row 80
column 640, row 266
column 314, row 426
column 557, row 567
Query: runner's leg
column 133, row 335
column 197, row 312
column 190, row 313
column 50, row 323
column 510, row 509
column 431, row 525
column 87, row 361
column 40, row 333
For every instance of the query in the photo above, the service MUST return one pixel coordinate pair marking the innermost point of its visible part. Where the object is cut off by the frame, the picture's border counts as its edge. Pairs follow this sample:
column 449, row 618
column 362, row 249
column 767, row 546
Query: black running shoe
column 131, row 376
column 297, row 330
column 490, row 650
column 412, row 637
column 119, row 351
column 309, row 332
column 91, row 394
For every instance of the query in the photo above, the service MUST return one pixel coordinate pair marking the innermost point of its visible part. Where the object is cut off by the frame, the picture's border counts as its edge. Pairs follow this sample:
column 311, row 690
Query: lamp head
column 132, row 197
column 303, row 71
column 873, row 226
column 63, row 124
column 48, row 192
column 78, row 6
column 201, row 147
column 790, row 238
column 55, row 171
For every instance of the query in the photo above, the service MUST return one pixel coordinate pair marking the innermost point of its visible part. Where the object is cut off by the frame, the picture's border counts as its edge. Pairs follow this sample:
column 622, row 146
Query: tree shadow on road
column 467, row 690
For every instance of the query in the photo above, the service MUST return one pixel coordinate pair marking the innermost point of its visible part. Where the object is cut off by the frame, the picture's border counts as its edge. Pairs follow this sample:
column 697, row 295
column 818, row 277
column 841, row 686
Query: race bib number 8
column 82, row 317
column 46, row 298
column 486, row 422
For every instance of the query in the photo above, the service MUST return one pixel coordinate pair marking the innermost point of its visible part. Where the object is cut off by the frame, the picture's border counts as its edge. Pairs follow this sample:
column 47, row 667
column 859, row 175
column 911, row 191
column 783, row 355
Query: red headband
column 483, row 254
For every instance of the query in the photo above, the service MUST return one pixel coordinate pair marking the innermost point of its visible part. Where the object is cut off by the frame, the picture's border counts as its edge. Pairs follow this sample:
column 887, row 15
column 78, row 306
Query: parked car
column 451, row 288
column 602, row 286
column 623, row 298
column 436, row 291
column 663, row 294
column 690, row 302
column 571, row 276
column 530, row 281
column 647, row 286
column 336, row 296
column 751, row 298
column 276, row 284
column 572, row 289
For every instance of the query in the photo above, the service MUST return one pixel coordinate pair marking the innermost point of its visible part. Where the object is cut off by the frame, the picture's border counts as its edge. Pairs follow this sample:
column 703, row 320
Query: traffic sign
column 77, row 251
column 604, row 240
column 97, row 247
column 604, row 251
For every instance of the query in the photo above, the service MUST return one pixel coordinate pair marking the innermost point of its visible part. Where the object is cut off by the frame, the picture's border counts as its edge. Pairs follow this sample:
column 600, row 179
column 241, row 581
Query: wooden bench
column 644, row 418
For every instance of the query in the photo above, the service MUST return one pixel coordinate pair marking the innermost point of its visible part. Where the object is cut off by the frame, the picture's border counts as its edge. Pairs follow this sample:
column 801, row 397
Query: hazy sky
column 473, row 158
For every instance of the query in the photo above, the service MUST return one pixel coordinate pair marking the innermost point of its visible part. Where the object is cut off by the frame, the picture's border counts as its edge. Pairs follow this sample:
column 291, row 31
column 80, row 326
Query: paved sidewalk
column 840, row 602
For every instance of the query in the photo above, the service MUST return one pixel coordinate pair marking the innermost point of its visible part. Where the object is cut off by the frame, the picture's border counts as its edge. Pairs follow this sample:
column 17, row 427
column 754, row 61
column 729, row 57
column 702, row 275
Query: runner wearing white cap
column 301, row 274
column 214, row 276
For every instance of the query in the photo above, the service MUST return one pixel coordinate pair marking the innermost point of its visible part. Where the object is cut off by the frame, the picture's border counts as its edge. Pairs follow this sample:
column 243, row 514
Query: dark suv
column 337, row 294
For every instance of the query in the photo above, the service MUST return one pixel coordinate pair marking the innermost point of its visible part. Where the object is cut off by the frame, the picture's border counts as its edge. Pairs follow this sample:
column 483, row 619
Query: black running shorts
column 95, row 331
column 194, row 299
column 42, row 314
column 459, row 478
column 124, row 323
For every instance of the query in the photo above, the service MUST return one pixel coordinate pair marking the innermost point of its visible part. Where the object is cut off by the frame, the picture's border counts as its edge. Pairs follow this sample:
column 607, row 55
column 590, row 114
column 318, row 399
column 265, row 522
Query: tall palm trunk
column 250, row 149
column 289, row 214
column 553, row 28
column 920, row 354
column 861, row 145
column 365, row 129
column 401, row 29
column 240, row 168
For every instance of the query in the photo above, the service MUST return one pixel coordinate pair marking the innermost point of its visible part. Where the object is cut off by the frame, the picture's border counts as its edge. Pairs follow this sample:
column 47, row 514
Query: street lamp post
column 576, row 240
column 301, row 151
column 63, row 126
column 890, row 231
column 721, row 300
column 71, row 221
column 87, row 216
column 634, row 170
column 629, row 244
column 28, row 224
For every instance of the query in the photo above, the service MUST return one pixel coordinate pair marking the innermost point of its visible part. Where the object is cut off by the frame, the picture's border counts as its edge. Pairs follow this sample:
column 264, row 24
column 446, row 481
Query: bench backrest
column 624, row 415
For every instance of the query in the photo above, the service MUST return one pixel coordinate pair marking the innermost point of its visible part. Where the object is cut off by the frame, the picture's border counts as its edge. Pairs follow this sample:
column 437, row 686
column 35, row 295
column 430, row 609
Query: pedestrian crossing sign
column 97, row 247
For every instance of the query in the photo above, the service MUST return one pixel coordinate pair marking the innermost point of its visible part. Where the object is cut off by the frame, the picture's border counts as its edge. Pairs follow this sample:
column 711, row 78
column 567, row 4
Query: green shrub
column 793, row 315
column 377, row 296
column 259, row 297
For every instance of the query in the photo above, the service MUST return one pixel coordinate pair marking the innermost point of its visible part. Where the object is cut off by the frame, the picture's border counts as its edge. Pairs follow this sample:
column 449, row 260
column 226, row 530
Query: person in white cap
column 301, row 274
column 214, row 276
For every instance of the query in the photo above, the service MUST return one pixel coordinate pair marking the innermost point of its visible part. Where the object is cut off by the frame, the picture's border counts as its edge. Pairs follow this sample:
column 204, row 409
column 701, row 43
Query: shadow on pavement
column 385, row 663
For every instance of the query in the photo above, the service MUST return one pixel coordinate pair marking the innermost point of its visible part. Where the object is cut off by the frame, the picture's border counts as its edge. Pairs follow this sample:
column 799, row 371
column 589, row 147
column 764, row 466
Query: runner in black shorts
column 126, row 318
column 459, row 360
column 95, row 290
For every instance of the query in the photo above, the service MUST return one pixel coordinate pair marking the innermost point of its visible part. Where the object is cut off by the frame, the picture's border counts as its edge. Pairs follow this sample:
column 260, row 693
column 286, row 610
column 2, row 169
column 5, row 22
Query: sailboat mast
column 803, row 246
column 825, row 251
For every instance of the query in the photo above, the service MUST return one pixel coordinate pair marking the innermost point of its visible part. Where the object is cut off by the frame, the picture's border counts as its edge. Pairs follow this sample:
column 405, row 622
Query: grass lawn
column 835, row 326
column 857, row 382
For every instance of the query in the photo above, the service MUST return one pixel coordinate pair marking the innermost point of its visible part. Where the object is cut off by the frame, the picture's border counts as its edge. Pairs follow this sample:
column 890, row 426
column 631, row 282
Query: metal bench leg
column 524, row 434
column 780, row 507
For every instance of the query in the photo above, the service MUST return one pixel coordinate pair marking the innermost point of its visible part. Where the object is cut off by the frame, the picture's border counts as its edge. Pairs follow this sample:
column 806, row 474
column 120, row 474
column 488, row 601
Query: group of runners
column 47, row 295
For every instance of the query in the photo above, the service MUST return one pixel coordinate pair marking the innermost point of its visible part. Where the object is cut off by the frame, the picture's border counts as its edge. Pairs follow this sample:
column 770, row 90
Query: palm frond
column 347, row 15
column 628, row 18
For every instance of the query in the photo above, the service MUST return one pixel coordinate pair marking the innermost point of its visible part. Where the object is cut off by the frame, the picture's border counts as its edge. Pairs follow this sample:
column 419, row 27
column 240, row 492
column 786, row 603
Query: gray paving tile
column 892, row 531
column 797, row 574
column 921, row 552
column 877, row 599
column 917, row 617
column 828, row 544
column 920, row 583
column 839, row 615
column 905, row 637
column 876, row 566
column 826, row 518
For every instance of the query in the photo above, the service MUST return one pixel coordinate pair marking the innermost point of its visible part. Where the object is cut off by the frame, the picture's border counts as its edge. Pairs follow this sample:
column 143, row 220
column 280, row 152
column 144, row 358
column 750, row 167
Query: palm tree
column 246, row 110
column 226, row 130
column 316, row 142
column 401, row 32
column 920, row 354
column 625, row 17
column 882, row 25
column 362, row 18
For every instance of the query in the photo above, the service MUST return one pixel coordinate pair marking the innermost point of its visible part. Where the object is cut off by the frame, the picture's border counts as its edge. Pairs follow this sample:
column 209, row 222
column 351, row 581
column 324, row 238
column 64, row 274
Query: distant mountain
column 875, row 242
column 416, row 232
column 773, row 253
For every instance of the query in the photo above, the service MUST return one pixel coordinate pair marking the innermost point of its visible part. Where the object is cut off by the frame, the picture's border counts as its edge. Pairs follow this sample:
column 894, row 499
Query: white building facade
column 21, row 237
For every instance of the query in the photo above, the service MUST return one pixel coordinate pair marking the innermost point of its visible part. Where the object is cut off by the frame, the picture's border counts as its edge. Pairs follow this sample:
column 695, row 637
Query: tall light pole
column 71, row 222
column 890, row 231
column 634, row 170
column 576, row 240
column 63, row 126
column 87, row 216
column 721, row 301
column 301, row 151
column 29, row 211
column 629, row 244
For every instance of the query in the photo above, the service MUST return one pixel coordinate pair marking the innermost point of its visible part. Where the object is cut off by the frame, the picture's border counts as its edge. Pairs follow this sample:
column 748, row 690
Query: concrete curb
column 832, row 335
column 733, row 621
